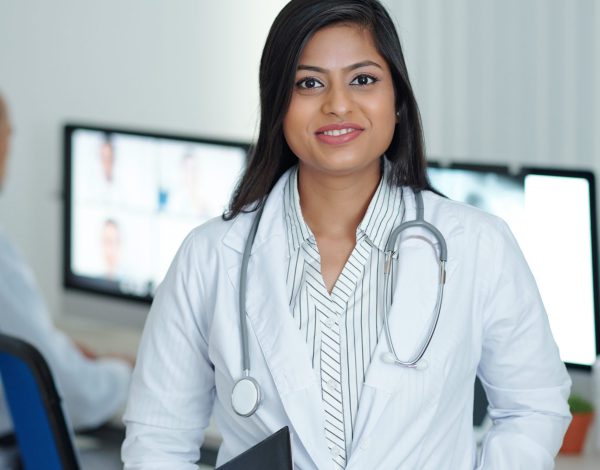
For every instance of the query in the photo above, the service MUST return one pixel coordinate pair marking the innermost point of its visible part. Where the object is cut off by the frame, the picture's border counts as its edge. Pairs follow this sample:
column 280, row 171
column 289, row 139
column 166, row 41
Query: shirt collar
column 385, row 211
column 297, row 229
column 383, row 214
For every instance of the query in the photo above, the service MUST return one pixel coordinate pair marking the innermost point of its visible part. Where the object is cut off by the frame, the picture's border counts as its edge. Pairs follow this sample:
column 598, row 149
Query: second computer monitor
column 132, row 197
column 552, row 214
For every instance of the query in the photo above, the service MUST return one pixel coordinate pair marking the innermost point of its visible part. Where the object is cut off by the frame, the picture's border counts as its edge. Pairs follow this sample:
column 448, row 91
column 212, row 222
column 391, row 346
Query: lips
column 340, row 133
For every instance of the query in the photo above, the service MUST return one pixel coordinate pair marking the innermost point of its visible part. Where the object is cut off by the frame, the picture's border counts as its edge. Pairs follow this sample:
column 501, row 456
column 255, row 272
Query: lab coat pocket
column 404, row 402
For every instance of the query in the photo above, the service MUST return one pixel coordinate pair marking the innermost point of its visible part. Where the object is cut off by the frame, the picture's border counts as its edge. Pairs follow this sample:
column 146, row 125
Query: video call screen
column 132, row 198
column 552, row 217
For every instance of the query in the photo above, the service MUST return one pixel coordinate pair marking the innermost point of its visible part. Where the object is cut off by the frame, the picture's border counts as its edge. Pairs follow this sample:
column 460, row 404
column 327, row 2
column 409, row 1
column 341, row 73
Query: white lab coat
column 492, row 323
column 92, row 390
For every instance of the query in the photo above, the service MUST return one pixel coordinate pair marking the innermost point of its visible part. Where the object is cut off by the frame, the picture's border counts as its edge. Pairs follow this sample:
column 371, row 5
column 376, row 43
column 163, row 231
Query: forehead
column 340, row 45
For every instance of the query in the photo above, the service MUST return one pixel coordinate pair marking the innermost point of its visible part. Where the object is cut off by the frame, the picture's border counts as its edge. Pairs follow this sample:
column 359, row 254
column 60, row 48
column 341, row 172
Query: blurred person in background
column 93, row 388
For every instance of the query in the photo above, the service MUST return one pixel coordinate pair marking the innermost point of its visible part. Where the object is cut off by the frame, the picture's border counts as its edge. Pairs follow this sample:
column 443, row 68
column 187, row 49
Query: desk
column 100, row 449
column 587, row 461
column 100, row 337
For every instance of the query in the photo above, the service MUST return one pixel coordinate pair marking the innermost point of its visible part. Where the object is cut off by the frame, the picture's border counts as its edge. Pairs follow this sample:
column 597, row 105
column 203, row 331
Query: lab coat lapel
column 283, row 349
column 270, row 320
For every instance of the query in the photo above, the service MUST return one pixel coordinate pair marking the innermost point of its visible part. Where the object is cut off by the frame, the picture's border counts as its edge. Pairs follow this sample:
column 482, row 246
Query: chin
column 344, row 168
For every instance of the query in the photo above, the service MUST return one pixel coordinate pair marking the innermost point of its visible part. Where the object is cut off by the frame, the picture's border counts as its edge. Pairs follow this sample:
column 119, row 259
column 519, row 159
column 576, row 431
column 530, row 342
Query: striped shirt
column 341, row 329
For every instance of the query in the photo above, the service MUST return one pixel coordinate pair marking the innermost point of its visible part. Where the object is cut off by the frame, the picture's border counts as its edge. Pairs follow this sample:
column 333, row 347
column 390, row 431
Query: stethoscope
column 246, row 395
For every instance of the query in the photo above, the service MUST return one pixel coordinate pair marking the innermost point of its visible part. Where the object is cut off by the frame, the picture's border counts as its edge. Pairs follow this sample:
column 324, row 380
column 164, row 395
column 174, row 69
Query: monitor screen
column 552, row 215
column 130, row 200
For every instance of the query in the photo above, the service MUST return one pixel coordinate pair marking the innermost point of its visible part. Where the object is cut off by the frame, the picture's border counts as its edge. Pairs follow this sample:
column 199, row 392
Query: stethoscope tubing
column 436, row 316
column 242, row 295
column 247, row 382
column 419, row 222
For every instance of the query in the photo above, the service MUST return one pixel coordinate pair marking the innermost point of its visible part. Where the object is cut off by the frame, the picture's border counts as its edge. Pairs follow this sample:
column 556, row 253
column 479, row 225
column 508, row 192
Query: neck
column 334, row 206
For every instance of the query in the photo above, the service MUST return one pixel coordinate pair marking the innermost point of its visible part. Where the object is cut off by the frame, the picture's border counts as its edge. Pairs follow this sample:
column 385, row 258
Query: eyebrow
column 358, row 65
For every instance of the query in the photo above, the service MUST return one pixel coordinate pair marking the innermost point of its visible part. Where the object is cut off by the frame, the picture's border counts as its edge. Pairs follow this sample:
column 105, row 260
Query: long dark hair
column 292, row 29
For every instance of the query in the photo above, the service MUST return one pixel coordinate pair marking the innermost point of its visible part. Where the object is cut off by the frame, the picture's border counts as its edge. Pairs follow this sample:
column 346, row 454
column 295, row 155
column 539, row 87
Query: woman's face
column 341, row 117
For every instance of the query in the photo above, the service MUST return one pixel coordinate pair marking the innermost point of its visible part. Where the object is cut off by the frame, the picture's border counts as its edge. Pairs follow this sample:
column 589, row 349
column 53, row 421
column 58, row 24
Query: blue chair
column 40, row 428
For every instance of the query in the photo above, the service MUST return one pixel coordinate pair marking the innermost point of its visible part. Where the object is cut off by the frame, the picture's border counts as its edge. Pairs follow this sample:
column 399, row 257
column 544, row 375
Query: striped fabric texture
column 341, row 329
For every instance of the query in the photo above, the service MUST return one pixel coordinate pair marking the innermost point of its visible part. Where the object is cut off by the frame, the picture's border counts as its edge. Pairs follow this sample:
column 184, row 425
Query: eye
column 308, row 83
column 364, row 80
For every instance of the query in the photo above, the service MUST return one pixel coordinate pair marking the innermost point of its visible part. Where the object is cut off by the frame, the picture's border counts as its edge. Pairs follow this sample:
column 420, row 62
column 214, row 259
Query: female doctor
column 363, row 338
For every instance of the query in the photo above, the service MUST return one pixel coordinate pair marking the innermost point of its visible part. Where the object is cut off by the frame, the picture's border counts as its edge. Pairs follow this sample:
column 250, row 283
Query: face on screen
column 107, row 159
column 136, row 197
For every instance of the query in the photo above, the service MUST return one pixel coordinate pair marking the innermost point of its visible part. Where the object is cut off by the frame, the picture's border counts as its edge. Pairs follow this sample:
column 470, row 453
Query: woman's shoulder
column 472, row 223
column 217, row 232
column 212, row 230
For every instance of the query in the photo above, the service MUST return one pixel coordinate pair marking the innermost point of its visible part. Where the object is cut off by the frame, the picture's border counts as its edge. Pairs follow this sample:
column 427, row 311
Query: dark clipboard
column 274, row 453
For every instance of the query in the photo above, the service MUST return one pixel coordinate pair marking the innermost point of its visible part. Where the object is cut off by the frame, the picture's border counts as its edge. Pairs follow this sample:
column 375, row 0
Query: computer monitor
column 131, row 198
column 552, row 213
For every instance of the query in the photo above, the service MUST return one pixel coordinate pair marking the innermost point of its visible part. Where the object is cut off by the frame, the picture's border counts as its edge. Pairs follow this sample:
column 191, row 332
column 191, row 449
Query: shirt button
column 331, row 385
column 365, row 443
column 337, row 456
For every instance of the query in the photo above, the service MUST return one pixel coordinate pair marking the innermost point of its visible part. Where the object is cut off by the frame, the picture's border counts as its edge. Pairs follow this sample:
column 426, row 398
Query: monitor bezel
column 103, row 288
column 474, row 167
column 589, row 176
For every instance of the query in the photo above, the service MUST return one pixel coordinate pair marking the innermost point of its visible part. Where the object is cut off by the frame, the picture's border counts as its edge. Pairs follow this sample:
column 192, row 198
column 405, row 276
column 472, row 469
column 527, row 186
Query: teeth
column 338, row 132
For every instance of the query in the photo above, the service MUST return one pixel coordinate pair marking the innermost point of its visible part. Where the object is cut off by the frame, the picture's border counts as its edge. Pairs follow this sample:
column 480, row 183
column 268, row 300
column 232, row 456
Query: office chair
column 39, row 423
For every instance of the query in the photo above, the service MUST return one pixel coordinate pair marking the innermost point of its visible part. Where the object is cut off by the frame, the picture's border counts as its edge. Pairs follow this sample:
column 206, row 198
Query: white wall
column 184, row 66
column 509, row 81
column 506, row 81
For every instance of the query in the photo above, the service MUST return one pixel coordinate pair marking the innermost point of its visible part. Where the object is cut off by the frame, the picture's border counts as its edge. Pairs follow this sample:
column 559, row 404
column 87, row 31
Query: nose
column 338, row 101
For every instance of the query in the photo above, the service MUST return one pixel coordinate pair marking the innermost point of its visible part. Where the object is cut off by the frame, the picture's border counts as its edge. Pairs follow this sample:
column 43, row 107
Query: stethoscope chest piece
column 245, row 396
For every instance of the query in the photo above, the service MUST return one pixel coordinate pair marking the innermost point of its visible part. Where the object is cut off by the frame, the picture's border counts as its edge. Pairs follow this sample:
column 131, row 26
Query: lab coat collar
column 271, row 223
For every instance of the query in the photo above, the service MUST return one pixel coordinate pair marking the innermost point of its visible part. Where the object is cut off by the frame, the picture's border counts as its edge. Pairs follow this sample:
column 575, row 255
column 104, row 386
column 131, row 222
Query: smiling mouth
column 338, row 132
column 337, row 135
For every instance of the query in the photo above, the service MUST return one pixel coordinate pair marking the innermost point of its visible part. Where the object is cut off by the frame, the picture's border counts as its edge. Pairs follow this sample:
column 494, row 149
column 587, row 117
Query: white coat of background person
column 339, row 128
column 93, row 389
